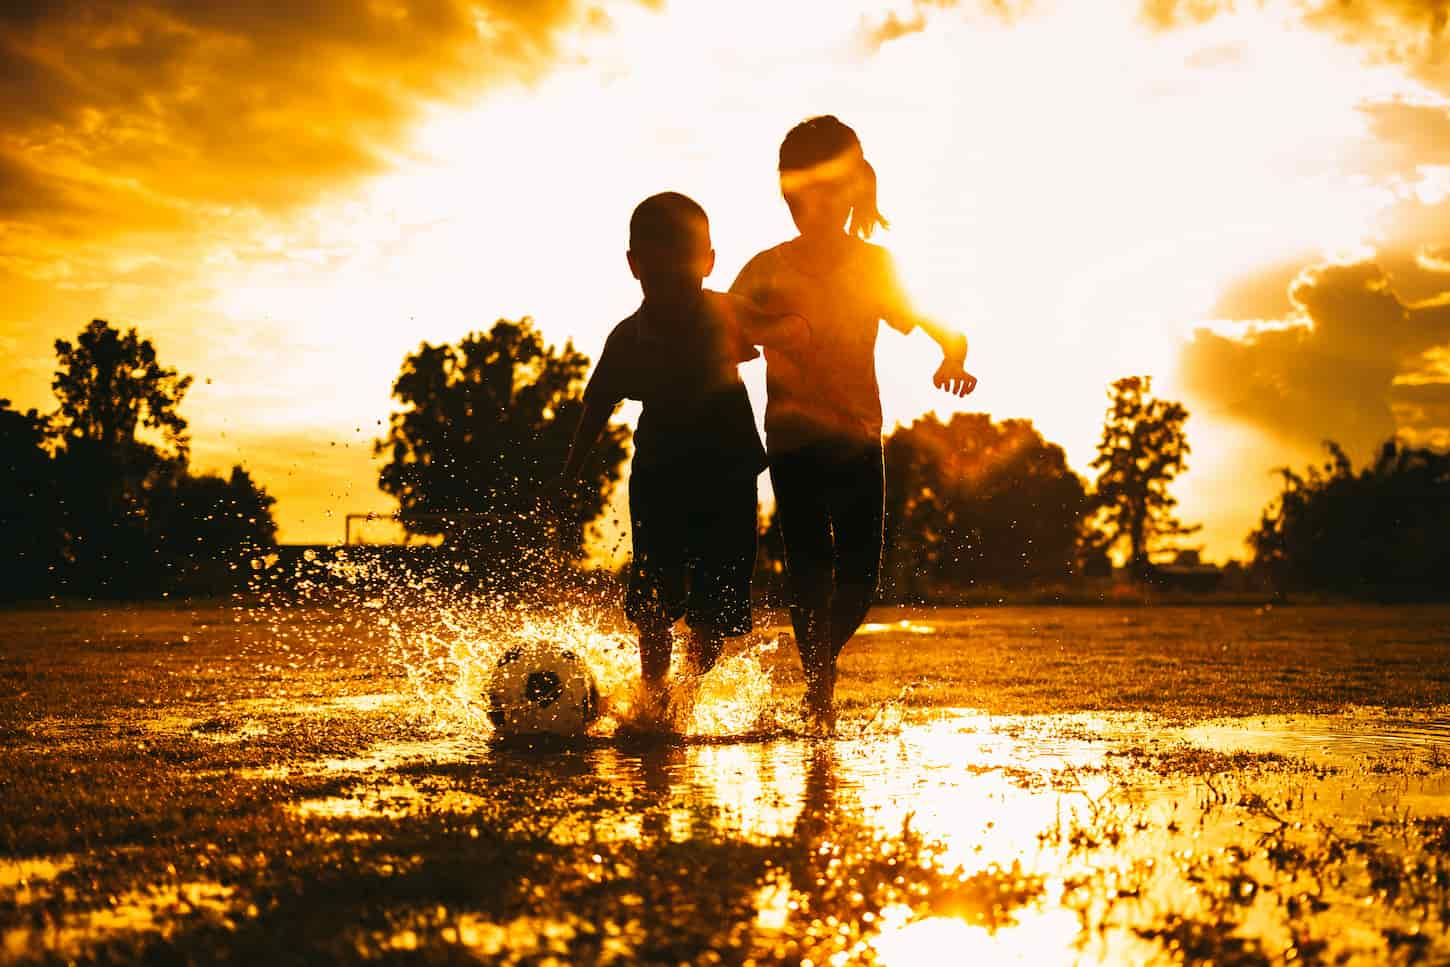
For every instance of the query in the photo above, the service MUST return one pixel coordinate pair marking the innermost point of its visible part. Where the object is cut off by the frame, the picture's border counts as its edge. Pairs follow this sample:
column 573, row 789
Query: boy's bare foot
column 820, row 718
column 651, row 710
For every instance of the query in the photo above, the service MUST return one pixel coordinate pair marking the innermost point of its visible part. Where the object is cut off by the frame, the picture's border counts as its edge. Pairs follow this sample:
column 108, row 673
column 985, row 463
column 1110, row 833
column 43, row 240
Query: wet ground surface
column 313, row 786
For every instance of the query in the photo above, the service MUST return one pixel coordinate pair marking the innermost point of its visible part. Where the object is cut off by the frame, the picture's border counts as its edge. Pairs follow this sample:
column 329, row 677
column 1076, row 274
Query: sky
column 1246, row 201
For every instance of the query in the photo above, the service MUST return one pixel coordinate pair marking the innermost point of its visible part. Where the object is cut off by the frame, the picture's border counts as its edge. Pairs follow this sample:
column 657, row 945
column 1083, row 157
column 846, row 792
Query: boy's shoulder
column 625, row 330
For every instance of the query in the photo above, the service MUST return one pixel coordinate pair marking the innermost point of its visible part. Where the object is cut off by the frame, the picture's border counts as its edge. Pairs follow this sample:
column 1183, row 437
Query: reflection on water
column 1088, row 839
column 391, row 801
column 158, row 909
column 1373, row 732
column 1151, row 837
column 904, row 626
column 1068, row 839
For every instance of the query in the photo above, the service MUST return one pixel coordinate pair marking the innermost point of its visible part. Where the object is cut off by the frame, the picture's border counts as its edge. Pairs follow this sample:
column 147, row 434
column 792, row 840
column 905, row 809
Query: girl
column 823, row 407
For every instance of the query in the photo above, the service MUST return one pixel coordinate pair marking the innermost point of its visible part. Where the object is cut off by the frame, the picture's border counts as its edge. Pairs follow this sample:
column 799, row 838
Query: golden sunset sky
column 1247, row 201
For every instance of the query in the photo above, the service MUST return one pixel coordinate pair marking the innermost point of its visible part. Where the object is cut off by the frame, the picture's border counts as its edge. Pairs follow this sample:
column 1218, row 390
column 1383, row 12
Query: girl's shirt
column 697, row 417
column 826, row 391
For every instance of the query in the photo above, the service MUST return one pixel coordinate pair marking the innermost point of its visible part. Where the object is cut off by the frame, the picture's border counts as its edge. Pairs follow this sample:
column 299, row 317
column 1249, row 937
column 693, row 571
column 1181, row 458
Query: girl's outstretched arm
column 899, row 313
column 951, row 376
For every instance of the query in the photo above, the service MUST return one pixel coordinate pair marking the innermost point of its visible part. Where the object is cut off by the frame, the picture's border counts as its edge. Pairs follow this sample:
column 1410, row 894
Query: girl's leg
column 706, row 643
column 805, row 528
column 857, row 511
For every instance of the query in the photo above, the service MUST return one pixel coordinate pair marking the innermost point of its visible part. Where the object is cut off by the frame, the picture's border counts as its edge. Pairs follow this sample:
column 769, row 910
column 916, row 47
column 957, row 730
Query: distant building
column 1187, row 573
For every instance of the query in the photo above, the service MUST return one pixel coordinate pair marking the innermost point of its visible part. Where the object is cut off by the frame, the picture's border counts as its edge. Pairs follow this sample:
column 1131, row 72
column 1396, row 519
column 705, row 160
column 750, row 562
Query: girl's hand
column 951, row 378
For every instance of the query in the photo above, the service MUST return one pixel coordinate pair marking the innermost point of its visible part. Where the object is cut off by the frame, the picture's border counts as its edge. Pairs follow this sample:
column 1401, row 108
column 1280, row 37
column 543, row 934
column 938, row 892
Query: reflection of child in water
column 823, row 406
column 692, row 495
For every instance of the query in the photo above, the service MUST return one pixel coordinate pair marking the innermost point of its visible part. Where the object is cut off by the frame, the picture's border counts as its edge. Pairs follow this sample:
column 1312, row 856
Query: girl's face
column 819, row 199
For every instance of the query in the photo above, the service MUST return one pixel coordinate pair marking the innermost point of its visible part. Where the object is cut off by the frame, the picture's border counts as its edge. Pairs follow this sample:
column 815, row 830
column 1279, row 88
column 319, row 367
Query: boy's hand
column 951, row 378
column 769, row 325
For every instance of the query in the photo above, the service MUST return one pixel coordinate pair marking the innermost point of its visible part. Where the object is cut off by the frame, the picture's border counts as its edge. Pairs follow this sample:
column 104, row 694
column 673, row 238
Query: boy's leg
column 655, row 596
column 805, row 529
column 723, row 538
column 857, row 515
column 655, row 645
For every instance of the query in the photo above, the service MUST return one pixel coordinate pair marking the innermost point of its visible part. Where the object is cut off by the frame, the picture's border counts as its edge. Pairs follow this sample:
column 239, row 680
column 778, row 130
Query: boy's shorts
column 694, row 549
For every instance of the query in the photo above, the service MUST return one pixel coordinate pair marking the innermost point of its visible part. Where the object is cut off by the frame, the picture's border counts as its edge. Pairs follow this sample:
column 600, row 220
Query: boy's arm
column 602, row 394
column 591, row 424
column 761, row 327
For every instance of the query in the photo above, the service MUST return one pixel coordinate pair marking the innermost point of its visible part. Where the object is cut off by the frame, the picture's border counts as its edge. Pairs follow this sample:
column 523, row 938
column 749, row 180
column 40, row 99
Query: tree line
column 98, row 496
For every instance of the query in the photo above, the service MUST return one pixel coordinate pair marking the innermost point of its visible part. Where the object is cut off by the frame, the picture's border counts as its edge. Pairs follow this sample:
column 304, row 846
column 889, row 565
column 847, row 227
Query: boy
column 692, row 497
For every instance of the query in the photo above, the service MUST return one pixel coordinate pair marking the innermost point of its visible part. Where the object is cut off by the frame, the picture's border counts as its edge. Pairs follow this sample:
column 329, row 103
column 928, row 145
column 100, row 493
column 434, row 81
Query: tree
column 1383, row 531
column 129, row 505
column 29, row 516
column 483, row 431
column 971, row 501
column 208, row 512
column 1143, row 448
column 110, row 387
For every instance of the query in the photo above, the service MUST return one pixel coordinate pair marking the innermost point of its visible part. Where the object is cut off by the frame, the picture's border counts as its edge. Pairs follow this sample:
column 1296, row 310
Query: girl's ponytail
column 865, row 216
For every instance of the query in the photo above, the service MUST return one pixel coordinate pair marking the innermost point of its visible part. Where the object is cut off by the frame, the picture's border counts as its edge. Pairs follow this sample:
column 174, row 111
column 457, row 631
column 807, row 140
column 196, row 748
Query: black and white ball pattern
column 541, row 688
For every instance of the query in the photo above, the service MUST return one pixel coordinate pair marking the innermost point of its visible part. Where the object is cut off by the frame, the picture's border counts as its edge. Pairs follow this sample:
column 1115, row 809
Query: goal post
column 357, row 526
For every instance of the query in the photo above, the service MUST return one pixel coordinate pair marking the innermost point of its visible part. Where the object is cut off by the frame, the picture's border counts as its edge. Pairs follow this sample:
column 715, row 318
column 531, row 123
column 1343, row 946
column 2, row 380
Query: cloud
column 124, row 116
column 1330, row 371
column 1422, row 411
column 1405, row 136
column 1409, row 32
column 875, row 34
column 1262, row 293
column 1167, row 14
column 1402, row 30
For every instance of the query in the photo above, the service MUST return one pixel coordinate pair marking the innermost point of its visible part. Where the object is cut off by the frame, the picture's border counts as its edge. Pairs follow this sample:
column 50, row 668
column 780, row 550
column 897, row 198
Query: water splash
column 446, row 642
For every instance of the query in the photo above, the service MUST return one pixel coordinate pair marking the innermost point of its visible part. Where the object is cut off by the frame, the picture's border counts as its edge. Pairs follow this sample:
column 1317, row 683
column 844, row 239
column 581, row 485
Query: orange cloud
column 1330, row 372
column 141, row 116
column 1409, row 32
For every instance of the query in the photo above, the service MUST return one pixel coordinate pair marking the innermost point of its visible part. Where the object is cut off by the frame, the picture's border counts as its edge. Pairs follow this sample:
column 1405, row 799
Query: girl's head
column 825, row 177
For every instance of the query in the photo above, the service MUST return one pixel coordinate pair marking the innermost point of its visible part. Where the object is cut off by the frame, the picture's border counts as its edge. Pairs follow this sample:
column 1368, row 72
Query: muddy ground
column 313, row 784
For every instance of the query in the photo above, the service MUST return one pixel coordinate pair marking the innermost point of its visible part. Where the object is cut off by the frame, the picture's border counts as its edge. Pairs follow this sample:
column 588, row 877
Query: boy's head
column 669, row 245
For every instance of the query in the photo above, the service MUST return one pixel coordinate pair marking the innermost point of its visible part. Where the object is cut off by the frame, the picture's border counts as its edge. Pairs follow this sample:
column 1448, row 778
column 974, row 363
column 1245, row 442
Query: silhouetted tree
column 1384, row 531
column 207, row 519
column 972, row 501
column 29, row 515
column 110, row 388
column 127, row 498
column 484, row 430
column 1143, row 448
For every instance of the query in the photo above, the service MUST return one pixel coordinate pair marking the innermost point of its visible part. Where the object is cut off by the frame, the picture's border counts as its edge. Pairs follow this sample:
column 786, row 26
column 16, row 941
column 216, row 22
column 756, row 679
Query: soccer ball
column 540, row 688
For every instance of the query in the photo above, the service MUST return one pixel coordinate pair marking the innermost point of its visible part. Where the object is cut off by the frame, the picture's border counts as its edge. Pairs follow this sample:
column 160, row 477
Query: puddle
column 1346, row 738
column 904, row 626
column 1124, row 847
column 22, row 873
column 1219, row 835
column 391, row 801
column 1084, row 838
column 161, row 910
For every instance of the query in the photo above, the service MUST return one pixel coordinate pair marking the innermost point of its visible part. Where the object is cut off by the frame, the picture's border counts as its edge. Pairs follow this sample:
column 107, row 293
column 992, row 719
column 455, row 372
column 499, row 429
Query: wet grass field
column 316, row 784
